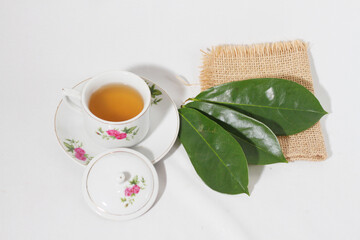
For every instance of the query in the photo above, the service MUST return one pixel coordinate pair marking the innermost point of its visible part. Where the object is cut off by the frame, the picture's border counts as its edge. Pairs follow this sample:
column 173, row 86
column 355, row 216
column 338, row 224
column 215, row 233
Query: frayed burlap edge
column 287, row 60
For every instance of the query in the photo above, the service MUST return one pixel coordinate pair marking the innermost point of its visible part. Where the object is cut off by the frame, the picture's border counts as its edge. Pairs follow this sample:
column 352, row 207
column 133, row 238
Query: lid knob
column 121, row 178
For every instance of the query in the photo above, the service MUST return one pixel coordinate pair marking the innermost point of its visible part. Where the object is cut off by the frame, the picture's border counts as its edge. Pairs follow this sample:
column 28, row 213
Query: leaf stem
column 187, row 100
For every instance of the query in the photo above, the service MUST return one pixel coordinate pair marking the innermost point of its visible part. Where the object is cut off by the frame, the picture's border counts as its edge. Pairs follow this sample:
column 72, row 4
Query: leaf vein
column 261, row 106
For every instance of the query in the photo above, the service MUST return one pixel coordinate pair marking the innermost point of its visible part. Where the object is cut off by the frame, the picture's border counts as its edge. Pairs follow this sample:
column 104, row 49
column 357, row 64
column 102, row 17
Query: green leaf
column 258, row 142
column 100, row 130
column 152, row 87
column 67, row 145
column 156, row 100
column 284, row 106
column 216, row 156
column 134, row 181
column 131, row 129
column 156, row 92
column 137, row 130
column 70, row 148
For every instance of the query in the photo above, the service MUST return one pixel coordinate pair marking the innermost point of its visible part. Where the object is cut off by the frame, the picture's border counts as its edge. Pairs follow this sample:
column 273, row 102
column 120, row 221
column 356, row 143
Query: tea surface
column 116, row 102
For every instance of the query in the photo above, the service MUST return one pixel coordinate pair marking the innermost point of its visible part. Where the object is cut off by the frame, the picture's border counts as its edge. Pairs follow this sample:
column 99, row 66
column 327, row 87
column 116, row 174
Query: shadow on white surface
column 161, row 171
column 165, row 78
column 173, row 149
column 325, row 101
column 255, row 172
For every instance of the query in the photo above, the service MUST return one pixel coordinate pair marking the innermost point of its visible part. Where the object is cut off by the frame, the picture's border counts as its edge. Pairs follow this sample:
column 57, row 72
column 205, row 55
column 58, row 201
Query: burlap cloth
column 287, row 60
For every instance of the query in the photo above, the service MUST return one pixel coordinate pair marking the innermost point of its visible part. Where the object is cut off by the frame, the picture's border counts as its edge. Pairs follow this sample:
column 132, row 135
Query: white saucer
column 164, row 128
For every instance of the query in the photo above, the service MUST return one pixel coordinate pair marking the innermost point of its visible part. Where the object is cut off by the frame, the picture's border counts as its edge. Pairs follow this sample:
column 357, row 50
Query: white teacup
column 106, row 133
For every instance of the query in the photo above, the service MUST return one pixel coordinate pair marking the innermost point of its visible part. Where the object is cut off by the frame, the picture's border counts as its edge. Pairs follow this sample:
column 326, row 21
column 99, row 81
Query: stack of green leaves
column 229, row 126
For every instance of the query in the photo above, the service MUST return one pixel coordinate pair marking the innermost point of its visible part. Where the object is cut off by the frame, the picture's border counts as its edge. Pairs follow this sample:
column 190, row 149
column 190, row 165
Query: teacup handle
column 72, row 98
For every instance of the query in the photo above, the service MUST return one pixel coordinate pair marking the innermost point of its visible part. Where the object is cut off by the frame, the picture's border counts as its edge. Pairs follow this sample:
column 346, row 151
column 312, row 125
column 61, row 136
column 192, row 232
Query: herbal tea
column 116, row 102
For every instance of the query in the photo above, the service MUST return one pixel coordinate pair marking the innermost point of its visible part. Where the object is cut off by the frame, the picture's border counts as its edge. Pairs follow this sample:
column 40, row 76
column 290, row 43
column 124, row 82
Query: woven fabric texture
column 286, row 60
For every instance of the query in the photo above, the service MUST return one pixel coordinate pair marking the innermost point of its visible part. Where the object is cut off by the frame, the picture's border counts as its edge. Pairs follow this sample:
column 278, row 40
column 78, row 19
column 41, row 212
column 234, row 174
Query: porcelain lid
column 120, row 184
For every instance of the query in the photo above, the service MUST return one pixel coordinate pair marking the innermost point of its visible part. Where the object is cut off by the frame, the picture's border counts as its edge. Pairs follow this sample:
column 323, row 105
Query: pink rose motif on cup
column 113, row 132
column 116, row 134
column 121, row 136
column 75, row 147
column 131, row 191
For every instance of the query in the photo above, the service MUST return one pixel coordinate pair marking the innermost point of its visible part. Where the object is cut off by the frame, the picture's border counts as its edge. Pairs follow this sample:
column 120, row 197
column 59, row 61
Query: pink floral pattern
column 126, row 133
column 128, row 192
column 136, row 189
column 131, row 191
column 80, row 156
column 79, row 151
column 116, row 134
column 75, row 147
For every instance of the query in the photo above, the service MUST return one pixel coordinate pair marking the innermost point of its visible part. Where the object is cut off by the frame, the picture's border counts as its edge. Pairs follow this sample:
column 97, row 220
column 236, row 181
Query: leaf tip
column 283, row 160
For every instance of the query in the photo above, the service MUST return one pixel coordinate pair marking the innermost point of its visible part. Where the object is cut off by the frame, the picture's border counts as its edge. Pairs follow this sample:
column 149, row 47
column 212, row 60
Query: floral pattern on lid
column 120, row 184
column 132, row 190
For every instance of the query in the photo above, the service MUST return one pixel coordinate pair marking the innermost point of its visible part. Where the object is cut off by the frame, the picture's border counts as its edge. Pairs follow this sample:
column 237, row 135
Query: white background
column 47, row 45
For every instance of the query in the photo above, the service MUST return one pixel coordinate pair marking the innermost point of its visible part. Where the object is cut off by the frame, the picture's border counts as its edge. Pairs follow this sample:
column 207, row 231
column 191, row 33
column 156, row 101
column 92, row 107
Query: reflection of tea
column 116, row 102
